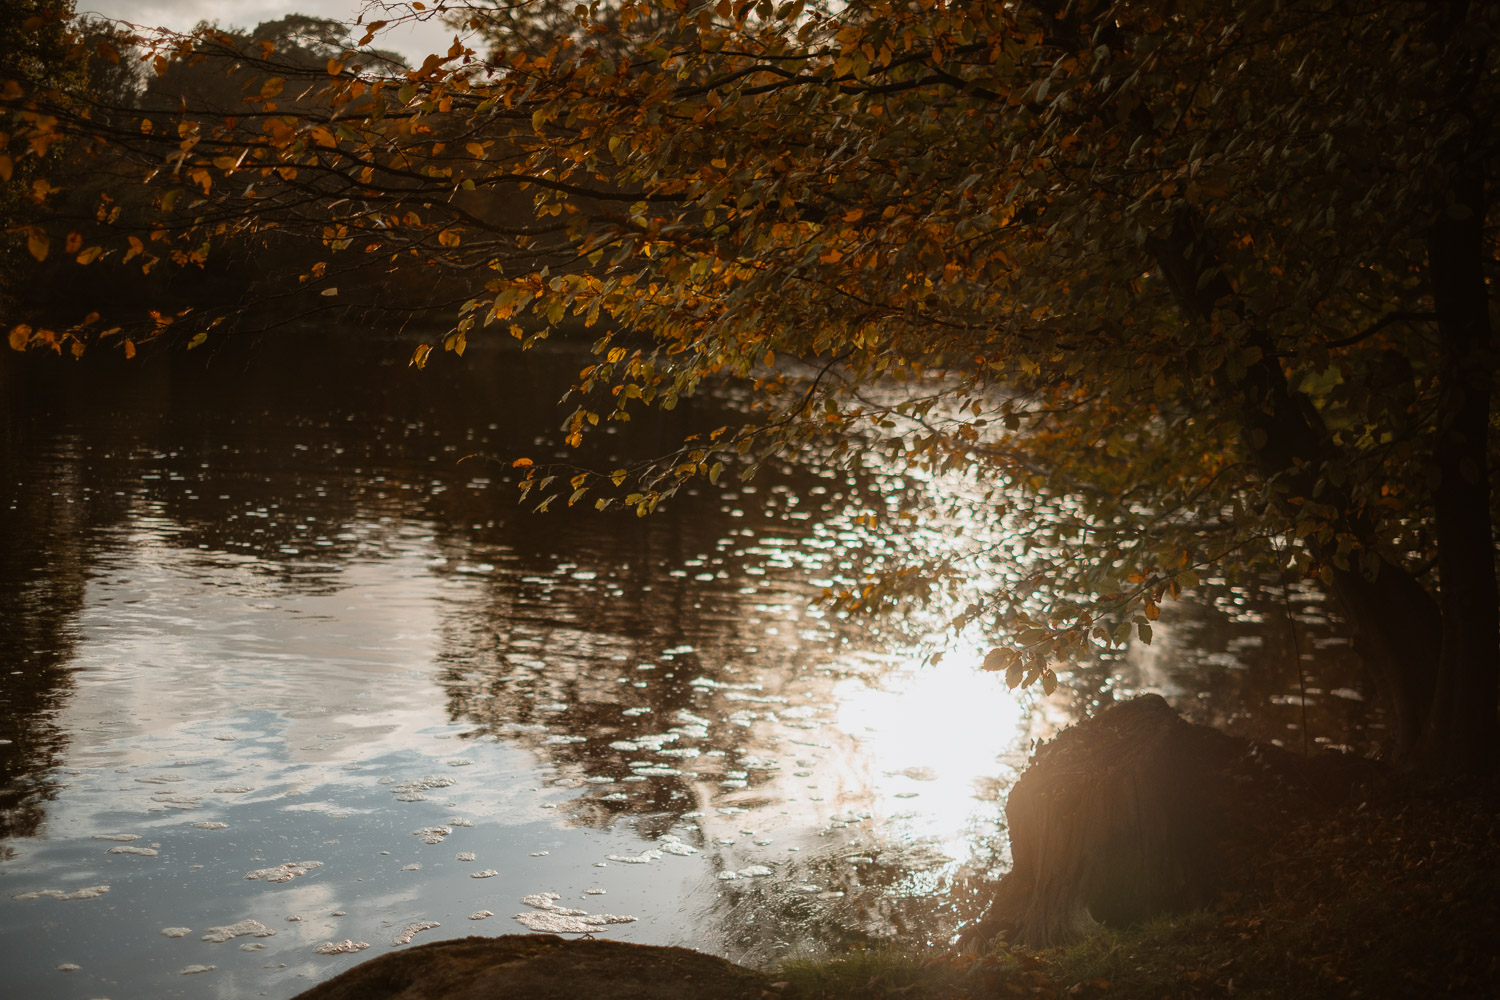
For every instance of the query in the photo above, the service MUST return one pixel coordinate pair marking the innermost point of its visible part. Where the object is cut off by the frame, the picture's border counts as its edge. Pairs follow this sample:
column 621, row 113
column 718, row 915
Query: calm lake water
column 284, row 668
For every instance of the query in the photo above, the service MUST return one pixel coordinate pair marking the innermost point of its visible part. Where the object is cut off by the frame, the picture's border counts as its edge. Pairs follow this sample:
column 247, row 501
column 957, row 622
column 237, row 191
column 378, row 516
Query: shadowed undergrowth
column 1395, row 897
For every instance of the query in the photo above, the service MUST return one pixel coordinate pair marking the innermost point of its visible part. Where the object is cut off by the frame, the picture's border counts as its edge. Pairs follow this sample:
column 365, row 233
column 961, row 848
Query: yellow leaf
column 89, row 255
column 136, row 246
column 329, row 291
column 77, row 348
column 335, row 67
column 19, row 337
column 198, row 339
column 854, row 215
column 272, row 87
column 998, row 659
column 37, row 243
column 419, row 356
column 323, row 137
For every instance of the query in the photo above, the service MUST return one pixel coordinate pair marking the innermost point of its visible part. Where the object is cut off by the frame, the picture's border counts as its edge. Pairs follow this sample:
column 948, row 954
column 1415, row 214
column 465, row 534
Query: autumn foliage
column 1175, row 289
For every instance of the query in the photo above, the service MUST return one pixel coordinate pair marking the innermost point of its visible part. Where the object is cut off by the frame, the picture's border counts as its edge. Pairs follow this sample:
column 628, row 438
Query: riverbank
column 1397, row 895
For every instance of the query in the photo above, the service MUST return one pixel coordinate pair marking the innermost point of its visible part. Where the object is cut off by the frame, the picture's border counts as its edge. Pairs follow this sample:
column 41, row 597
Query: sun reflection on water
column 929, row 740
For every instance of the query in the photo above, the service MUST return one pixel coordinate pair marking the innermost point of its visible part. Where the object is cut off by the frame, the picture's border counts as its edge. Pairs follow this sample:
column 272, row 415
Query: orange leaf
column 521, row 463
column 37, row 243
column 19, row 337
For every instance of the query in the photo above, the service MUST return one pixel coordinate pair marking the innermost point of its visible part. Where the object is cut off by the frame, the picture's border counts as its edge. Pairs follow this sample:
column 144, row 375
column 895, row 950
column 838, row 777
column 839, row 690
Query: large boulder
column 543, row 967
column 1137, row 812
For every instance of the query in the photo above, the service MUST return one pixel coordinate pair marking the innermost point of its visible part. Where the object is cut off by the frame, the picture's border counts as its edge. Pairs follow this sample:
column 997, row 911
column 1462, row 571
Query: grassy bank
column 1396, row 896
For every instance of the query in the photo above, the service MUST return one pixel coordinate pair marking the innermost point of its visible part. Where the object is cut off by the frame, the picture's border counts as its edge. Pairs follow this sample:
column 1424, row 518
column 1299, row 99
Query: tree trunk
column 1461, row 732
column 1395, row 620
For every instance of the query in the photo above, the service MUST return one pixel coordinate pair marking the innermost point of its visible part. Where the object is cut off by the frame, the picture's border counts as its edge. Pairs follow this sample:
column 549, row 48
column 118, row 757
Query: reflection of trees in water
column 586, row 648
column 1230, row 660
column 44, row 563
column 230, row 453
column 854, row 897
column 567, row 633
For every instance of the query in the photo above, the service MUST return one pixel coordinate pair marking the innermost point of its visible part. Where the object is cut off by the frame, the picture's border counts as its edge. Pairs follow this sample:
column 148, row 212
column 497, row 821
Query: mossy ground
column 1397, row 896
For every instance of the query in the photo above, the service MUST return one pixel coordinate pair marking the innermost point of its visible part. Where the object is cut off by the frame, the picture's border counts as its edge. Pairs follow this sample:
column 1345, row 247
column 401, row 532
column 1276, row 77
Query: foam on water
column 554, row 919
column 245, row 928
column 91, row 892
column 643, row 858
column 285, row 872
column 347, row 946
column 412, row 930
